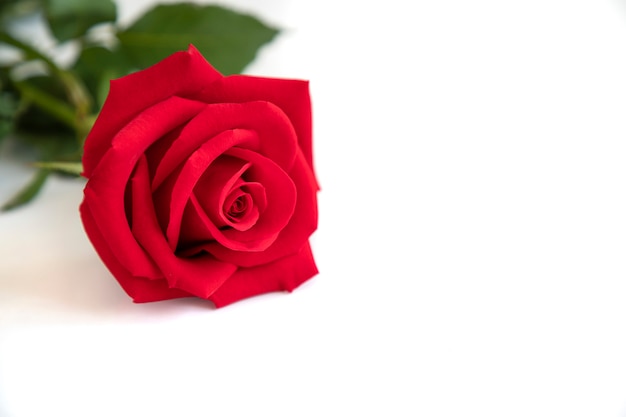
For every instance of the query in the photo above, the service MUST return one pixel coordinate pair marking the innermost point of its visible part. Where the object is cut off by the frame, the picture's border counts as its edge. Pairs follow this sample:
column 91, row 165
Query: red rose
column 202, row 185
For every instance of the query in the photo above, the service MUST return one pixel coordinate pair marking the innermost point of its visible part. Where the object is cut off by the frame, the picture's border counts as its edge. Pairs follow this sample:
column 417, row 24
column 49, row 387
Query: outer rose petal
column 276, row 136
column 104, row 193
column 285, row 274
column 292, row 96
column 141, row 290
column 181, row 74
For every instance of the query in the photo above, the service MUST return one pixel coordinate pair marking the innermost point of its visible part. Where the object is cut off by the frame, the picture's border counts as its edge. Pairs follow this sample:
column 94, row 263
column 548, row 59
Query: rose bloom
column 202, row 185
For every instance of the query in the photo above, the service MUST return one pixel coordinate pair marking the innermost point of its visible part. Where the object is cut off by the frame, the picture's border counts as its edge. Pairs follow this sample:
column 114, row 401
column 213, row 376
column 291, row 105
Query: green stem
column 55, row 107
column 75, row 90
column 29, row 51
column 73, row 168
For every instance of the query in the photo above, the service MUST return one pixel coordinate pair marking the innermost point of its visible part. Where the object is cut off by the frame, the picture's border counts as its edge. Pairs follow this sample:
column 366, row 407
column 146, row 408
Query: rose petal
column 284, row 274
column 221, row 239
column 276, row 138
column 199, row 276
column 246, row 216
column 257, row 191
column 141, row 290
column 193, row 230
column 291, row 96
column 129, row 95
column 155, row 152
column 215, row 183
column 210, row 192
column 104, row 192
column 162, row 198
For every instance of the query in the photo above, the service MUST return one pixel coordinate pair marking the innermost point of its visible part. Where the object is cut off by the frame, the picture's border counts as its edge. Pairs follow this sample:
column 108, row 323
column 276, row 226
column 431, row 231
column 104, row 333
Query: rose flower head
column 201, row 184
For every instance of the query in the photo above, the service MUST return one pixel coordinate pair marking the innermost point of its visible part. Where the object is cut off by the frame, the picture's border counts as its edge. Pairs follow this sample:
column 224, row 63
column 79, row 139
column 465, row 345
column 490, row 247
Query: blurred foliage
column 48, row 109
column 229, row 40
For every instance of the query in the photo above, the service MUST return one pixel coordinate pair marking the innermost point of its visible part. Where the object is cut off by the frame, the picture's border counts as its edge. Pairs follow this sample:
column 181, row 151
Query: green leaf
column 27, row 193
column 69, row 19
column 228, row 39
column 73, row 168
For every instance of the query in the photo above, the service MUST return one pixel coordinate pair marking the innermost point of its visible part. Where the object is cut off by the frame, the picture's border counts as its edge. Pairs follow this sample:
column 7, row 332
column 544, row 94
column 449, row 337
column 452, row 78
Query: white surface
column 472, row 238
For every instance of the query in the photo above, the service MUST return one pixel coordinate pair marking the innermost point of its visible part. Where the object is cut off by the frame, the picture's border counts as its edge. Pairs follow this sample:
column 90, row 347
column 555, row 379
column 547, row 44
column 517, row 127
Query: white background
column 472, row 237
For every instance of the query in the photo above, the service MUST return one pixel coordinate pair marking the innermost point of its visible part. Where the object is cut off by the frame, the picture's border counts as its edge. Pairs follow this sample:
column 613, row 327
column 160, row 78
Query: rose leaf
column 69, row 19
column 27, row 193
column 228, row 39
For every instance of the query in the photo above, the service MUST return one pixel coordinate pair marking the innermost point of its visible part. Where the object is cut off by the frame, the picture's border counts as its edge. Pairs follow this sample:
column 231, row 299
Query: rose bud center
column 225, row 197
column 243, row 205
